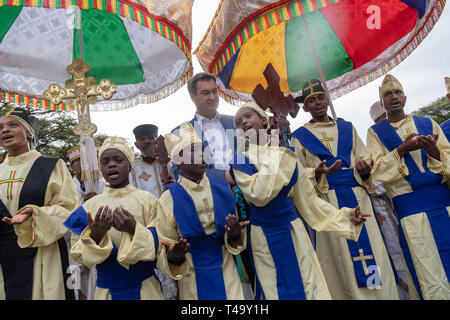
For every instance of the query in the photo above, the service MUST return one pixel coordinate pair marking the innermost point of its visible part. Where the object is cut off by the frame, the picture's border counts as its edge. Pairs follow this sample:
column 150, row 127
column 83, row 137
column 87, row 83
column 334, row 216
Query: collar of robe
column 21, row 158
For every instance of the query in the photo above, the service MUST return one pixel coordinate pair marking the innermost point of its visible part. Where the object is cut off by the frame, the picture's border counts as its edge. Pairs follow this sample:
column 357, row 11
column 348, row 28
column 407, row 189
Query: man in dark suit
column 215, row 130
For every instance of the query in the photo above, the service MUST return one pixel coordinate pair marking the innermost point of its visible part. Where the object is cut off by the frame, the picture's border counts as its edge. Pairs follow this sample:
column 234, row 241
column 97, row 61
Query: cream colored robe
column 276, row 166
column 332, row 251
column 167, row 229
column 45, row 227
column 131, row 248
column 387, row 169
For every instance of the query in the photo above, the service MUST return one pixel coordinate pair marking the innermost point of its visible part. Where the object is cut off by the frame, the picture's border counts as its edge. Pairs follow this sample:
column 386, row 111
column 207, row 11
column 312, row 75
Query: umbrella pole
column 80, row 31
column 83, row 148
column 319, row 67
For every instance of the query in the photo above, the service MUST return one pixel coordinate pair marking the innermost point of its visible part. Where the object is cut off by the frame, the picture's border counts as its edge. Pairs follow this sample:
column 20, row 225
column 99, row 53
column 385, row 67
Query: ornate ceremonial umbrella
column 347, row 43
column 137, row 52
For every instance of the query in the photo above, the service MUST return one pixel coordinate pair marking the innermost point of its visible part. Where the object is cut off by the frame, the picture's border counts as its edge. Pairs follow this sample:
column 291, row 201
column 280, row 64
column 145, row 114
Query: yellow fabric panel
column 255, row 54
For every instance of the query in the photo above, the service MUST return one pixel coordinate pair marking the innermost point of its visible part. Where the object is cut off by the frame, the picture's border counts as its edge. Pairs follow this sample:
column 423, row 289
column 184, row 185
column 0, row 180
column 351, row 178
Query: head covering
column 176, row 143
column 30, row 123
column 118, row 144
column 254, row 106
column 310, row 88
column 145, row 130
column 389, row 83
column 376, row 110
column 447, row 84
column 74, row 153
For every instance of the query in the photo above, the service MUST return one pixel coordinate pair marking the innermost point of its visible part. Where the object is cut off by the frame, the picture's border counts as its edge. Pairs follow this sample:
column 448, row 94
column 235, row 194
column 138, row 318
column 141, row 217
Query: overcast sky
column 421, row 74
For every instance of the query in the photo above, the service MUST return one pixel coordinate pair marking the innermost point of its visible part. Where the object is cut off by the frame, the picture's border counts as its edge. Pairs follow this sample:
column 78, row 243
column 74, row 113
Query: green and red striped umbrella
column 144, row 50
column 355, row 41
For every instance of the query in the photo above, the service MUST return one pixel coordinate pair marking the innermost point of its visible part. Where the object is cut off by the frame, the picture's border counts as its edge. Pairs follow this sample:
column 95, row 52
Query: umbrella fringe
column 40, row 103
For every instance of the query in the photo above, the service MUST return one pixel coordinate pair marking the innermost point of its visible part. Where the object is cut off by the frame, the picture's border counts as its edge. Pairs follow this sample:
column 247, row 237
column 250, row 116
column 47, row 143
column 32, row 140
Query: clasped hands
column 415, row 141
column 119, row 218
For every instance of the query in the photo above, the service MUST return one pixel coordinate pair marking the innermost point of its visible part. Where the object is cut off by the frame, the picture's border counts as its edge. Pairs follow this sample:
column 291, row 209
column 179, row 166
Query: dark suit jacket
column 227, row 123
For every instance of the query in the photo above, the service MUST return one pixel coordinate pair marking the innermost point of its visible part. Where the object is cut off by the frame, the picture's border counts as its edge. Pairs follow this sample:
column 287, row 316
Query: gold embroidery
column 363, row 259
column 145, row 176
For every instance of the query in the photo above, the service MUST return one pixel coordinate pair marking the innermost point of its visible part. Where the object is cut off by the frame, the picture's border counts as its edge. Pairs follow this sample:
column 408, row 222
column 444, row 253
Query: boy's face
column 193, row 162
column 146, row 145
column 76, row 167
column 317, row 105
column 248, row 119
column 394, row 101
column 115, row 168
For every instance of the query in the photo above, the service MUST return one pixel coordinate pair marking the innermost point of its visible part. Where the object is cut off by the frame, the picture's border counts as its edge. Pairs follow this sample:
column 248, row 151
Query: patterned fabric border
column 41, row 103
column 399, row 164
column 16, row 98
column 210, row 26
column 444, row 167
column 258, row 22
column 230, row 100
column 142, row 99
column 33, row 226
column 402, row 55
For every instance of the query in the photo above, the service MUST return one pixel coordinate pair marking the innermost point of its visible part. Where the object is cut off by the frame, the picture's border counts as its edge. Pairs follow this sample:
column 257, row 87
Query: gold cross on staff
column 80, row 92
column 363, row 259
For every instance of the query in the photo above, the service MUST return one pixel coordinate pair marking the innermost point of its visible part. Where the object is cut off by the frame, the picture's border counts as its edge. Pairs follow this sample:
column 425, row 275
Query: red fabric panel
column 349, row 19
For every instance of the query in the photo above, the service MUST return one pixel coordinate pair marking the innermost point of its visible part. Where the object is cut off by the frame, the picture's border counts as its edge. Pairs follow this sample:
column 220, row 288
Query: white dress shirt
column 218, row 143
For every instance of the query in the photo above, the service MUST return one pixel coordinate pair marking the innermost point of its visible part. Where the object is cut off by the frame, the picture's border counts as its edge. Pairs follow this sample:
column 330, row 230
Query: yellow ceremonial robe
column 275, row 167
column 45, row 227
column 167, row 229
column 392, row 170
column 131, row 248
column 333, row 252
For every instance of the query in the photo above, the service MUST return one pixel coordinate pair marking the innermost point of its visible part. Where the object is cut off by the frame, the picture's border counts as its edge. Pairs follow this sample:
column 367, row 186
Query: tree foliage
column 438, row 110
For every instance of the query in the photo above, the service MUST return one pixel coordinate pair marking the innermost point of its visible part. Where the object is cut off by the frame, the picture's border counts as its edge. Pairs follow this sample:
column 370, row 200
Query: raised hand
column 363, row 167
column 321, row 169
column 176, row 252
column 101, row 224
column 20, row 217
column 123, row 221
column 359, row 217
column 428, row 143
column 234, row 227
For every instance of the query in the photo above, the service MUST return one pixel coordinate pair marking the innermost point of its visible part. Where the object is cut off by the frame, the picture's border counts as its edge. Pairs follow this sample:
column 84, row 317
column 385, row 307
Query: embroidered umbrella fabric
column 355, row 41
column 143, row 48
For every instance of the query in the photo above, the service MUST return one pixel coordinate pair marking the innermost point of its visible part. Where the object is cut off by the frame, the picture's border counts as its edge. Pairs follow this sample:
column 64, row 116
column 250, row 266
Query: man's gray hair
column 201, row 76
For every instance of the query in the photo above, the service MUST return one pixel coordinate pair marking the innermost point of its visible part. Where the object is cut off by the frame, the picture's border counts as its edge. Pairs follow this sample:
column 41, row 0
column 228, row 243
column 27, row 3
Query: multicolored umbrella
column 144, row 49
column 354, row 41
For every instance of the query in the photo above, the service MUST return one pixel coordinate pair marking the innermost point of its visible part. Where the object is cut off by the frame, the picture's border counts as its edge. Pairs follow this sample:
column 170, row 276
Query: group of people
column 240, row 217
